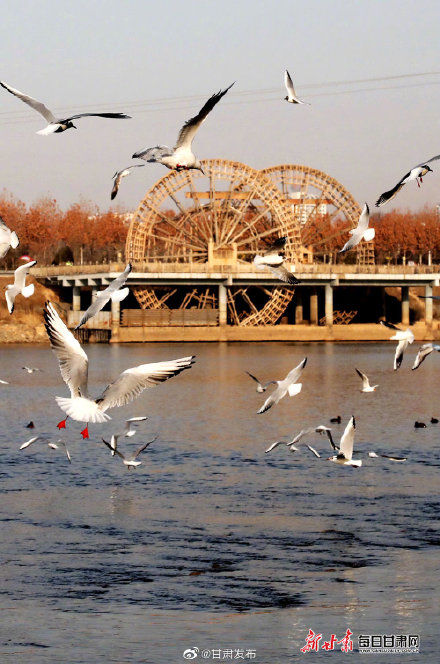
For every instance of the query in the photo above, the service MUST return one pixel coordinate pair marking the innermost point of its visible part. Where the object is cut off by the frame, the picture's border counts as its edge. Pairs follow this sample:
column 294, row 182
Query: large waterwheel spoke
column 200, row 208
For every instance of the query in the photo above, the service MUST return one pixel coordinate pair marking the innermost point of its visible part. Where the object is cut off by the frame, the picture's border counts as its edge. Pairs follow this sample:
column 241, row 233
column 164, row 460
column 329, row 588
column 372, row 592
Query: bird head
column 198, row 166
column 286, row 98
column 70, row 125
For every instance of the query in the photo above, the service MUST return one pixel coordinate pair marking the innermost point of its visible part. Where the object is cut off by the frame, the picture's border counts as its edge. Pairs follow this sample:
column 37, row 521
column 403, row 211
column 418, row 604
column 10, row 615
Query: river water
column 212, row 545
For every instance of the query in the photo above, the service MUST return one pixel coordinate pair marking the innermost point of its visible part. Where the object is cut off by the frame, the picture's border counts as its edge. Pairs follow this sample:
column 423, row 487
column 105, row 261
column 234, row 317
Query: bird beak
column 202, row 171
column 73, row 126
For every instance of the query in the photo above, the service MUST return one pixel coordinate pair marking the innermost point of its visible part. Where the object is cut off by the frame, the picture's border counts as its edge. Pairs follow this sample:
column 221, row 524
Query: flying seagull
column 181, row 157
column 4, row 382
column 19, row 285
column 345, row 454
column 361, row 232
column 273, row 258
column 58, row 445
column 366, row 387
column 423, row 353
column 417, row 173
column 122, row 174
column 130, row 461
column 291, row 94
column 404, row 337
column 386, row 456
column 287, row 386
column 114, row 292
column 292, row 444
column 261, row 387
column 57, row 125
column 129, row 431
column 30, row 370
column 74, row 369
column 8, row 239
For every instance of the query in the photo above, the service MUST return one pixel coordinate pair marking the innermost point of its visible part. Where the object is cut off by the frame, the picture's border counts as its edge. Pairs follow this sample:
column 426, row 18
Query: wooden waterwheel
column 324, row 211
column 220, row 219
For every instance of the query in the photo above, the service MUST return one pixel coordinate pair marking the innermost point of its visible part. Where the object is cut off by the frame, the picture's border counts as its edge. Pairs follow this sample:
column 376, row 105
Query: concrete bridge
column 315, row 279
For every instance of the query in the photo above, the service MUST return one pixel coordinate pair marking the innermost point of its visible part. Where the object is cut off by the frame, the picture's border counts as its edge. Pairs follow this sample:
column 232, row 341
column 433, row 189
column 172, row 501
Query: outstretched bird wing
column 347, row 439
column 104, row 296
column 289, row 84
column 30, row 101
column 114, row 116
column 189, row 129
column 132, row 382
column 72, row 359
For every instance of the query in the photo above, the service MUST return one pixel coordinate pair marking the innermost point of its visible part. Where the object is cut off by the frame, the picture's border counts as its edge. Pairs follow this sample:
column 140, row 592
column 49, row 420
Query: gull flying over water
column 122, row 174
column 366, row 387
column 74, row 370
column 386, row 456
column 31, row 370
column 8, row 239
column 292, row 444
column 57, row 125
column 130, row 461
column 345, row 454
column 113, row 292
column 291, row 94
column 361, row 232
column 4, row 382
column 287, row 386
column 423, row 353
column 54, row 446
column 261, row 387
column 181, row 157
column 404, row 337
column 417, row 173
column 273, row 258
column 129, row 431
column 19, row 285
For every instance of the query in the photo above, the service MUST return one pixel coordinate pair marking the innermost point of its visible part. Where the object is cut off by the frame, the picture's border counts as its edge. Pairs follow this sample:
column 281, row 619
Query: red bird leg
column 62, row 424
column 418, row 183
column 85, row 432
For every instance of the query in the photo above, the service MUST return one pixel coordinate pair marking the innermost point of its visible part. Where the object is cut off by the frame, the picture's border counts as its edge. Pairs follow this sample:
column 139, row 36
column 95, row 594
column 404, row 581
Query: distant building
column 303, row 210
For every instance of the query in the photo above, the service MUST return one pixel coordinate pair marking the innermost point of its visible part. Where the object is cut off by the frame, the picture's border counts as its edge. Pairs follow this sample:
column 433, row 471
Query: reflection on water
column 211, row 543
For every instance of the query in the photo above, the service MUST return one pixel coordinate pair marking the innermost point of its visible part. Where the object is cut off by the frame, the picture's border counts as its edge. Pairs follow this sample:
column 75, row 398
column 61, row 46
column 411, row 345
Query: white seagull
column 4, row 382
column 181, row 157
column 361, row 232
column 129, row 431
column 130, row 461
column 30, row 370
column 287, row 386
column 273, row 258
column 366, row 387
column 30, row 442
column 386, row 456
column 19, row 285
column 345, row 454
column 291, row 94
column 292, row 444
column 122, row 174
column 113, row 292
column 58, row 445
column 8, row 239
column 417, row 173
column 57, row 125
column 423, row 353
column 261, row 387
column 404, row 337
column 74, row 369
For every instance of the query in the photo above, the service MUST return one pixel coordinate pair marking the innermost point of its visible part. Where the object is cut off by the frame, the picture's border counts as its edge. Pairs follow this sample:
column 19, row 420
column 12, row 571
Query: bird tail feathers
column 119, row 295
column 27, row 291
column 82, row 410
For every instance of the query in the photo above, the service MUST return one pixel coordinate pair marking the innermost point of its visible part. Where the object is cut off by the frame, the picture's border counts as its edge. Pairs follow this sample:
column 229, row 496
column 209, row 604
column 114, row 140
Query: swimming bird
column 58, row 445
column 130, row 461
column 273, row 258
column 57, row 125
column 361, row 232
column 336, row 420
column 423, row 353
column 19, row 285
column 434, row 420
column 366, row 387
column 345, row 454
column 129, row 431
column 287, row 386
column 404, row 337
column 261, row 387
column 291, row 94
column 417, row 173
column 387, row 456
column 31, row 370
column 8, row 239
column 74, row 369
column 419, row 425
column 31, row 425
column 181, row 157
column 113, row 292
column 122, row 174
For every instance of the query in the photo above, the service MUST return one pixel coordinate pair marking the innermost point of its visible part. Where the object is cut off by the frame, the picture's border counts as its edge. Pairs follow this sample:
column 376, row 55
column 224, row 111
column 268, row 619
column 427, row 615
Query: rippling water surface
column 210, row 543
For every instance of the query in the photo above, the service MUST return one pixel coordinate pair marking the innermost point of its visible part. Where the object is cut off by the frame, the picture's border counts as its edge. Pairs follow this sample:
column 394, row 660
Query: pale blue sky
column 108, row 55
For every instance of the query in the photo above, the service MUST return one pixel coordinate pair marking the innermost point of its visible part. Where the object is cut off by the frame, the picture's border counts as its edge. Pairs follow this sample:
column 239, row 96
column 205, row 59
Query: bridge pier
column 115, row 320
column 299, row 314
column 329, row 305
column 222, row 305
column 405, row 305
column 76, row 298
column 314, row 307
column 428, row 305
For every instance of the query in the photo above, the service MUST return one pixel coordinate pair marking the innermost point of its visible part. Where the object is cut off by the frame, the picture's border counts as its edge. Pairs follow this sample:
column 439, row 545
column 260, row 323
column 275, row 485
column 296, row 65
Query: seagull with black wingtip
column 404, row 337
column 417, row 173
column 273, row 258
